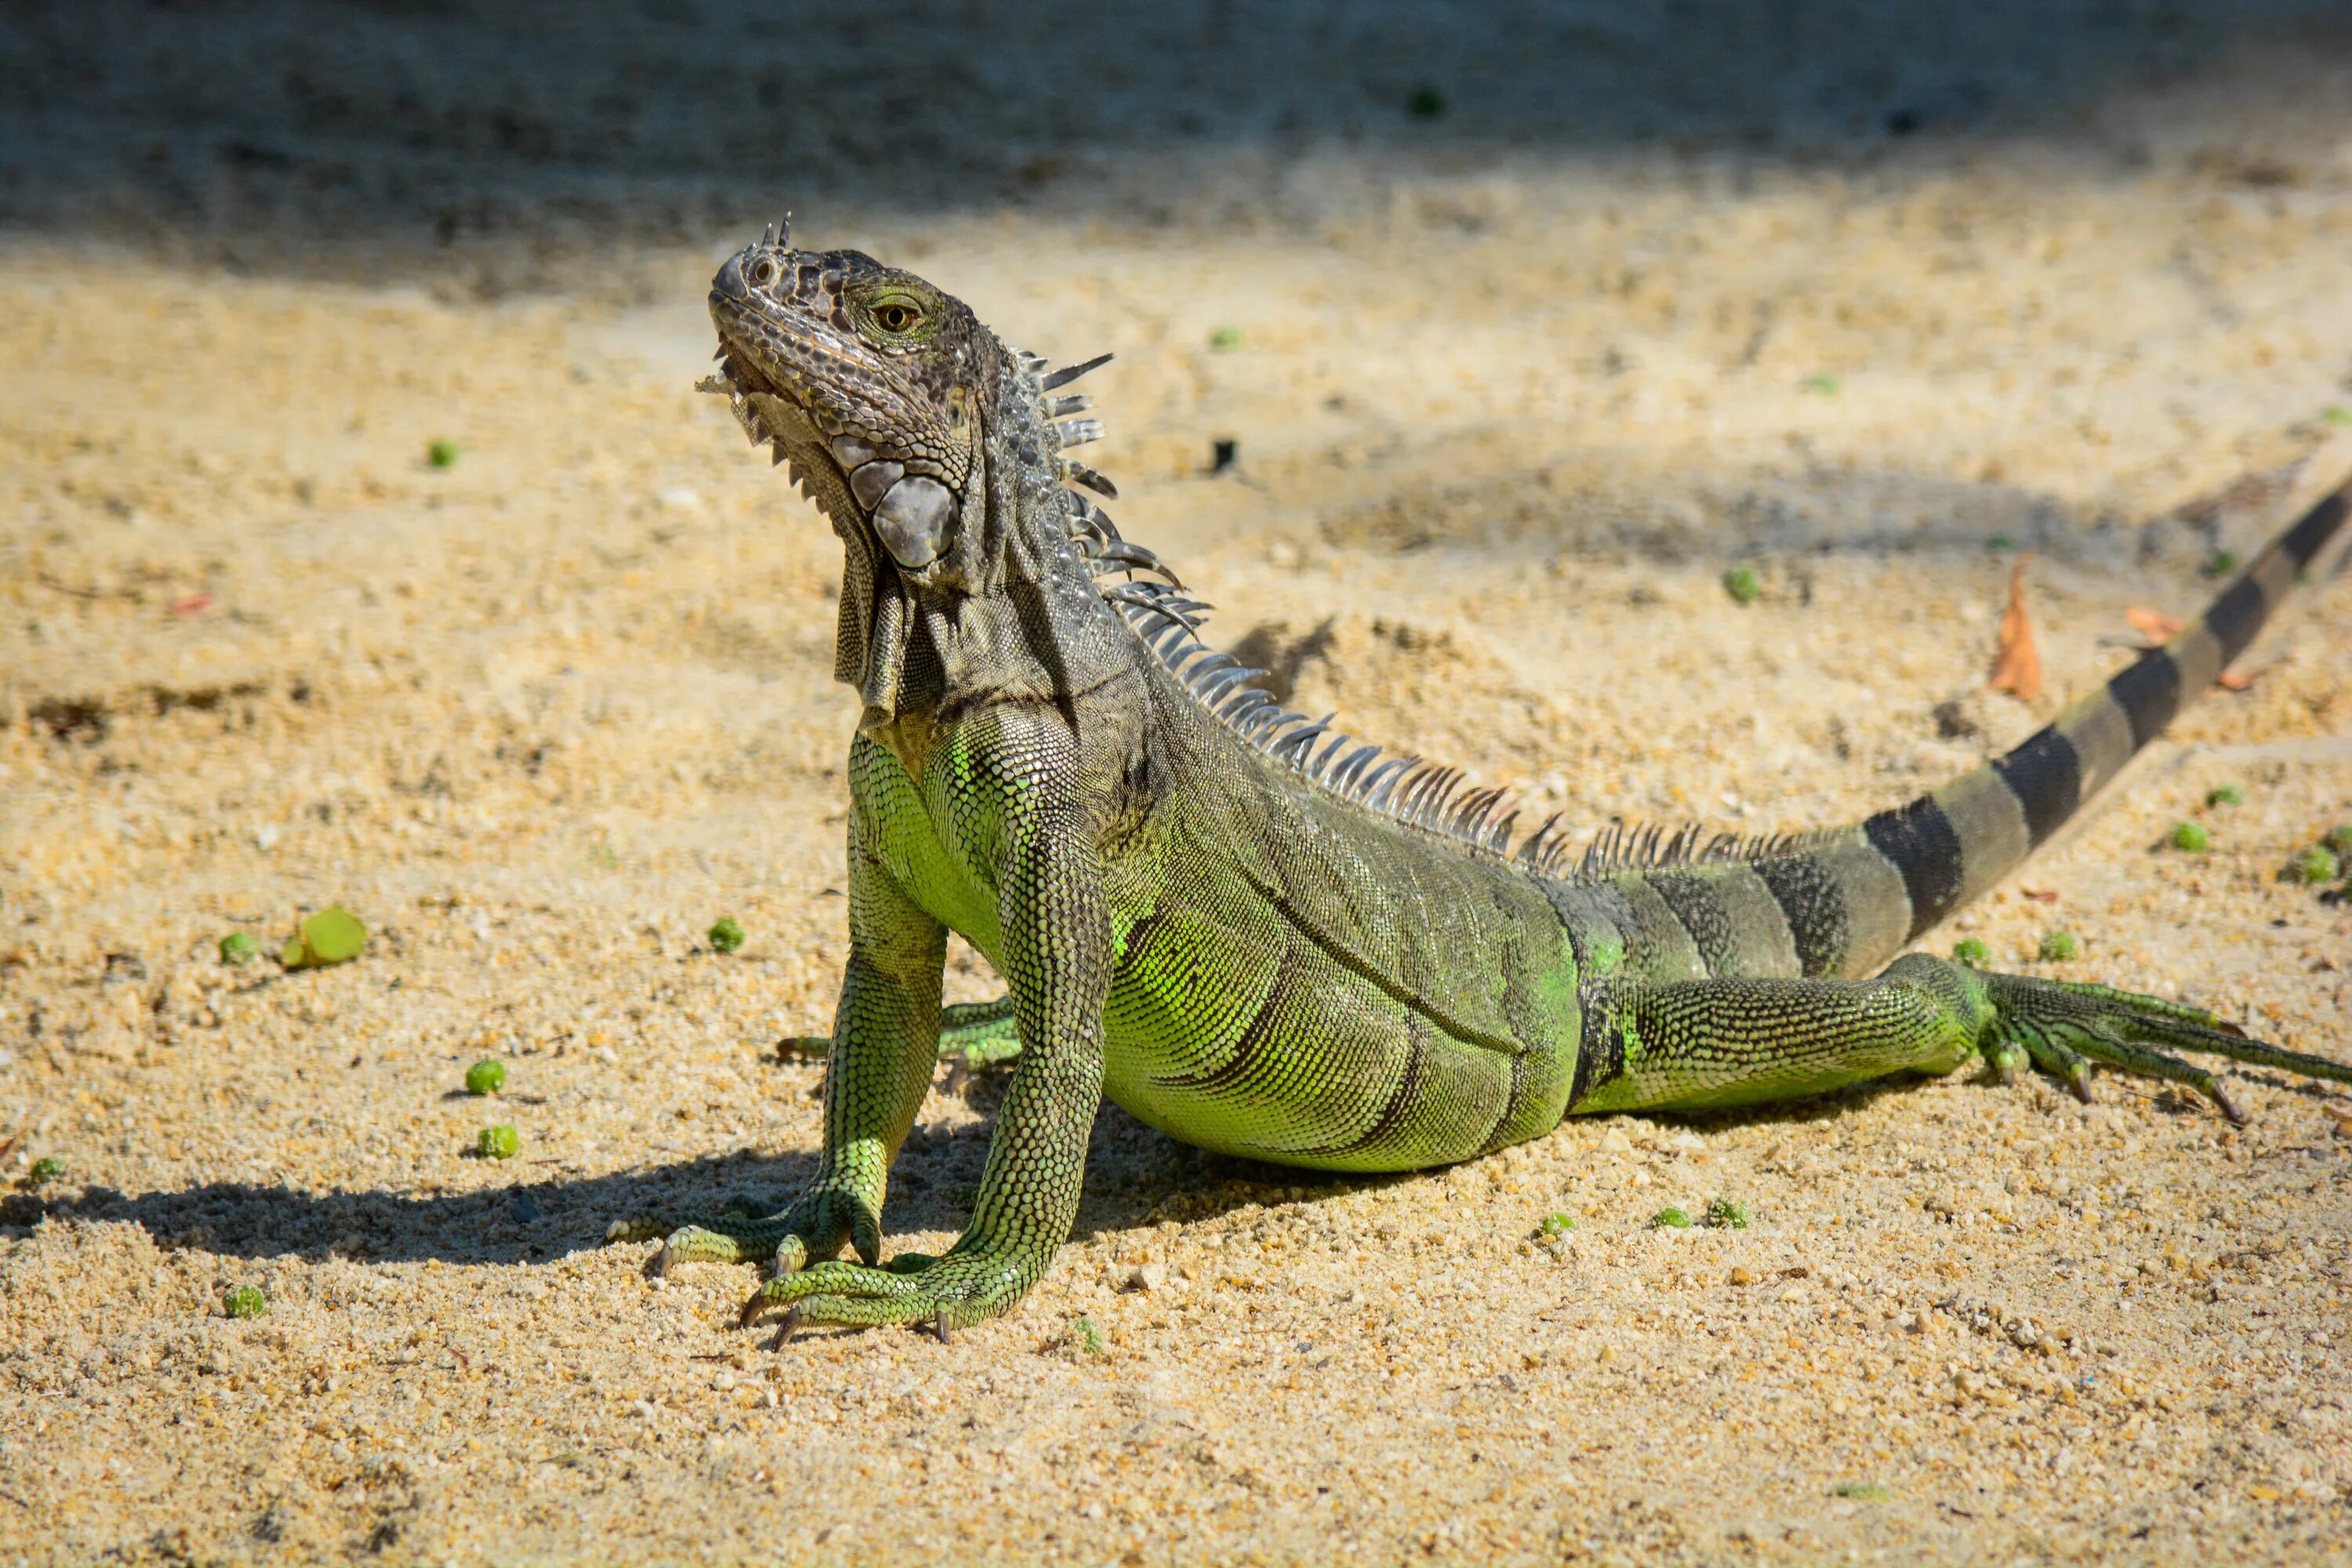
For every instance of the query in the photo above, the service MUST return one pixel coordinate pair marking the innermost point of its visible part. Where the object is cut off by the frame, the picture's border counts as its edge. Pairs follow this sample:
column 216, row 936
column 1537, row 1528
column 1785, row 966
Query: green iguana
column 1251, row 932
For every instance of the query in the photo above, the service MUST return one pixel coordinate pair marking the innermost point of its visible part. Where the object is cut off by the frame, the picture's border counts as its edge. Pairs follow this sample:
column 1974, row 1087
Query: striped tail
column 1952, row 845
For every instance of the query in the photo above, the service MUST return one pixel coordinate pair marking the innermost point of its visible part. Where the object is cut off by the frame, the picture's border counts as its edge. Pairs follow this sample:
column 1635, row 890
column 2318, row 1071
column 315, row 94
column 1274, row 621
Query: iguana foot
column 945, row 1293
column 2064, row 1027
column 816, row 1226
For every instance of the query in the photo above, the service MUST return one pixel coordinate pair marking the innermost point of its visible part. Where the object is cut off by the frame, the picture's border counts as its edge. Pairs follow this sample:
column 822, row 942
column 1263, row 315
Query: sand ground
column 1504, row 412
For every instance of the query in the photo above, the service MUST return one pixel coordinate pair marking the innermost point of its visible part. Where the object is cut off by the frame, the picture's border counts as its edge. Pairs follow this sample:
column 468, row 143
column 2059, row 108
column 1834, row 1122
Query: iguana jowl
column 1255, row 934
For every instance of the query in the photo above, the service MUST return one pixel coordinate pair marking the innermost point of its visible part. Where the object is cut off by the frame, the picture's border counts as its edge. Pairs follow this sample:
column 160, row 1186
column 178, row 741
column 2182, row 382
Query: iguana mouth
column 765, row 405
column 869, row 641
column 740, row 372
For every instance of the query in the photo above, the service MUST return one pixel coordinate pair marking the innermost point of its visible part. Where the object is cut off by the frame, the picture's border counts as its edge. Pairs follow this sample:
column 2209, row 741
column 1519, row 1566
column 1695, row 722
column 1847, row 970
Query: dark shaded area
column 1820, row 509
column 1134, row 1175
column 1284, row 659
column 533, row 144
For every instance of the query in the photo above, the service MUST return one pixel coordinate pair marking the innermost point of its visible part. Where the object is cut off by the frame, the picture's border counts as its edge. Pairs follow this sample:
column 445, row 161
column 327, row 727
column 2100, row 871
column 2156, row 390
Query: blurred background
column 492, row 148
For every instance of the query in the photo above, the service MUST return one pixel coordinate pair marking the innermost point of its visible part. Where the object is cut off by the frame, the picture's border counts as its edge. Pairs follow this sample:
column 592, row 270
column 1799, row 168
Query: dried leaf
column 2017, row 667
column 2039, row 895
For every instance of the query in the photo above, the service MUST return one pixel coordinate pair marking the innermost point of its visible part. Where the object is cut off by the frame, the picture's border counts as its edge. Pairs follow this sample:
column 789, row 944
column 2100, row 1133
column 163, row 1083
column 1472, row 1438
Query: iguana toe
column 2066, row 1026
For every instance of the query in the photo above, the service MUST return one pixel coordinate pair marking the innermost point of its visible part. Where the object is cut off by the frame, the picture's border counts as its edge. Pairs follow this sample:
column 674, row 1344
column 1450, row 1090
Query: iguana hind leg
column 1691, row 1045
column 977, row 1034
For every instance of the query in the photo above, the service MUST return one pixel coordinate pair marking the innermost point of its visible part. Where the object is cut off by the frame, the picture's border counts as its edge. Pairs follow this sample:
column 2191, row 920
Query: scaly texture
column 1258, row 935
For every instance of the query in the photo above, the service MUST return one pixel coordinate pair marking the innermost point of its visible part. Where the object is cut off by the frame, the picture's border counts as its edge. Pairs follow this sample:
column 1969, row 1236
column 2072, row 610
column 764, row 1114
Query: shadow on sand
column 1135, row 1176
column 487, row 147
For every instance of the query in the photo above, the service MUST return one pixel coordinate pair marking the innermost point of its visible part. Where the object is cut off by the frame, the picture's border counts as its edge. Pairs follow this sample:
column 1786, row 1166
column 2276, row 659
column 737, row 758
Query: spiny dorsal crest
column 1408, row 788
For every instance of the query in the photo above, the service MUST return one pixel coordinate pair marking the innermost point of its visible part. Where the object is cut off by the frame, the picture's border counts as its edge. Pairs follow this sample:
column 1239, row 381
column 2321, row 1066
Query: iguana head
column 866, row 366
column 905, row 420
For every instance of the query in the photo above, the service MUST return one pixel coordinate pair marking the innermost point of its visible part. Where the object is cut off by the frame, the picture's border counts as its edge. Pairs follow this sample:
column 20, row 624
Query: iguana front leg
column 1693, row 1044
column 1058, row 956
column 884, row 1052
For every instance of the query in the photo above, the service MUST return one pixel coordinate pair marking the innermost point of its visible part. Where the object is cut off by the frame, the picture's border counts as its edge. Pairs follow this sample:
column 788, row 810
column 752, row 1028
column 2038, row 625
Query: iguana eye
column 897, row 316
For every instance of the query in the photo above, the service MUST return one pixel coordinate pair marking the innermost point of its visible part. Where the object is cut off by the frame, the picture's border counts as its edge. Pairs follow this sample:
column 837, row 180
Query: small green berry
column 499, row 1144
column 485, row 1077
column 244, row 1301
column 1559, row 1224
column 1971, row 952
column 2059, row 946
column 1726, row 1214
column 2338, row 838
column 2191, row 836
column 442, row 454
column 333, row 935
column 1743, row 585
column 46, row 1169
column 1224, row 339
column 1864, row 1491
column 727, row 934
column 1670, row 1219
column 2315, row 865
column 2225, row 795
column 238, row 948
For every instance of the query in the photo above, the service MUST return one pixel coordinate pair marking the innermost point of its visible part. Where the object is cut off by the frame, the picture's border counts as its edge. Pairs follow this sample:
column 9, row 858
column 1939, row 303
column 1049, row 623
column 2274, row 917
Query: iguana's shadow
column 531, row 1218
column 1132, row 1171
column 1136, row 1176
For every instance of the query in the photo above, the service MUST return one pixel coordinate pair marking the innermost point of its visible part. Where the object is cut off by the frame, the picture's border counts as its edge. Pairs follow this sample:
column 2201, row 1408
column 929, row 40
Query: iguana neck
column 1010, row 615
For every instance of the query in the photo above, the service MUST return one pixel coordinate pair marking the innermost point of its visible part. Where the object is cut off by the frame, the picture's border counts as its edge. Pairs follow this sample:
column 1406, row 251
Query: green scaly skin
column 1252, row 934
